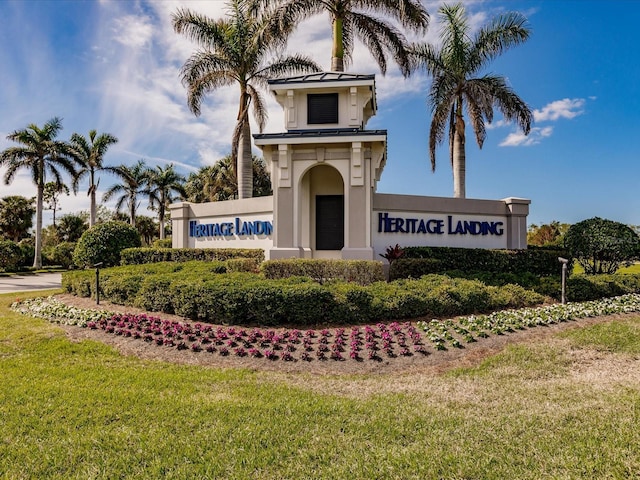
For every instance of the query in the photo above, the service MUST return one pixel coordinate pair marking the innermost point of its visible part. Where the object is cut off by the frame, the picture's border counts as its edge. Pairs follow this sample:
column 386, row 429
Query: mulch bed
column 434, row 361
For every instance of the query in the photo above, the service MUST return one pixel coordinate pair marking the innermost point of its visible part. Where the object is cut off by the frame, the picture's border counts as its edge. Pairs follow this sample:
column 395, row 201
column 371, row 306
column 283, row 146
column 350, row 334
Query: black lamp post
column 98, row 265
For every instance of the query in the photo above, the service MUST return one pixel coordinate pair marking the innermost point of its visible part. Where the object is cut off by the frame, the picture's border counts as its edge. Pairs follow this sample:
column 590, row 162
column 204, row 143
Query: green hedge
column 363, row 272
column 418, row 261
column 199, row 292
column 137, row 256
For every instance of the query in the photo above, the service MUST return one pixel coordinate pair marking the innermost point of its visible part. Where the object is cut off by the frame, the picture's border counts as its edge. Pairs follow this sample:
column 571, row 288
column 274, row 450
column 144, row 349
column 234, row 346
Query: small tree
column 16, row 216
column 602, row 246
column 51, row 197
column 548, row 234
column 104, row 242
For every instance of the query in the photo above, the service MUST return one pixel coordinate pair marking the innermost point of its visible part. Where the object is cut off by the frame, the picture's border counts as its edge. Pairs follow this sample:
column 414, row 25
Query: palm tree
column 218, row 183
column 42, row 154
column 134, row 182
column 89, row 154
column 162, row 183
column 353, row 18
column 454, row 67
column 234, row 50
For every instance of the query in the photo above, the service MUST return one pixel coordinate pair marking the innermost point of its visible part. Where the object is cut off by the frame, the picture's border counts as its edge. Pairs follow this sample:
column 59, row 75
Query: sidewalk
column 25, row 283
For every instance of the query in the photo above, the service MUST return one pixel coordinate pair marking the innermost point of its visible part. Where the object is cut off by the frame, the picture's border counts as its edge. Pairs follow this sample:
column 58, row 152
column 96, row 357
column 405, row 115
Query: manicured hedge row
column 418, row 261
column 137, row 256
column 580, row 288
column 195, row 290
column 363, row 272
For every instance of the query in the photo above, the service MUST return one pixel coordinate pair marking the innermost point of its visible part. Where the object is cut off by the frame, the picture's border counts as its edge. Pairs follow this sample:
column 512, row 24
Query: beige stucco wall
column 508, row 216
column 246, row 210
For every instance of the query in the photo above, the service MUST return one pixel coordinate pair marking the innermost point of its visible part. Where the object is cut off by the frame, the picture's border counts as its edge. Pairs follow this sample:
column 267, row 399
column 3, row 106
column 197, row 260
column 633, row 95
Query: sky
column 114, row 66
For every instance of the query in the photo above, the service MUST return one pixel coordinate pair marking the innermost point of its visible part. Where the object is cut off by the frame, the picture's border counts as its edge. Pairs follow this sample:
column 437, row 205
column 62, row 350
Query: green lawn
column 568, row 407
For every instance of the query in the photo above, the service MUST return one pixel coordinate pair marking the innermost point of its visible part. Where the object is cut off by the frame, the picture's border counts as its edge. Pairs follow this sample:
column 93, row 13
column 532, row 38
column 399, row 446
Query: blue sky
column 113, row 66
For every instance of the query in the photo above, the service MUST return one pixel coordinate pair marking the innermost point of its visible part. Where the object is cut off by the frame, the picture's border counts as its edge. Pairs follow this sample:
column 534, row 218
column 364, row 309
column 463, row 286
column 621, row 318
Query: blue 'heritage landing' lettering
column 464, row 227
column 388, row 224
column 229, row 229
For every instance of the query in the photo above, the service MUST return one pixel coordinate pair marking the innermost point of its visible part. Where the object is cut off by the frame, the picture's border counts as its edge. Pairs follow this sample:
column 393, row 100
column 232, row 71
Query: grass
column 80, row 410
column 631, row 269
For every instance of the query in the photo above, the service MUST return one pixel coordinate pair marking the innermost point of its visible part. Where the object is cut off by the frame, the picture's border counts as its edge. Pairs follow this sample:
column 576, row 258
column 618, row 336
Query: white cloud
column 519, row 139
column 565, row 108
column 133, row 31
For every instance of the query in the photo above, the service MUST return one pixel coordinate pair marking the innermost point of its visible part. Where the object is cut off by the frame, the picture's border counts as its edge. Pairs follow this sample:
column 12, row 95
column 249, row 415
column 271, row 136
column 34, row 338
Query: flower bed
column 454, row 333
column 360, row 343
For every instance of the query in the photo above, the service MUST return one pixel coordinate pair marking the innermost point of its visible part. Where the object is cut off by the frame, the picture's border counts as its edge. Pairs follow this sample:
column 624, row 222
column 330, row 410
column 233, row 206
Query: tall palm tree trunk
column 337, row 52
column 132, row 212
column 92, row 194
column 161, row 215
column 245, row 167
column 37, row 257
column 459, row 158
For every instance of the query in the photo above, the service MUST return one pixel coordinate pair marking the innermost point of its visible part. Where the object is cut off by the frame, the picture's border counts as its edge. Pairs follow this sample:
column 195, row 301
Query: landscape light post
column 98, row 265
column 564, row 262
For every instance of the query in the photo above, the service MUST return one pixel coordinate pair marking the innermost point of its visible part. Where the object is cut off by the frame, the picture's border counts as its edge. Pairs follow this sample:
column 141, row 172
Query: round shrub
column 104, row 242
column 602, row 246
column 10, row 255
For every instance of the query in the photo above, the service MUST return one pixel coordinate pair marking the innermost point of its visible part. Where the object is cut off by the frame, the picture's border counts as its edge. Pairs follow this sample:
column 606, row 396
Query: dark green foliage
column 137, row 256
column 243, row 298
column 28, row 251
column 592, row 287
column 602, row 246
column 363, row 272
column 10, row 256
column 152, row 295
column 536, row 261
column 120, row 288
column 104, row 242
column 414, row 268
column 62, row 254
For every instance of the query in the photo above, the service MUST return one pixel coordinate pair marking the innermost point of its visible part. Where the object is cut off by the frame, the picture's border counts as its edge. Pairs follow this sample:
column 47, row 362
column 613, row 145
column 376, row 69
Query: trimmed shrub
column 363, row 272
column 242, row 265
column 153, row 294
column 198, row 293
column 104, row 242
column 539, row 262
column 137, row 256
column 10, row 256
column 80, row 283
column 119, row 288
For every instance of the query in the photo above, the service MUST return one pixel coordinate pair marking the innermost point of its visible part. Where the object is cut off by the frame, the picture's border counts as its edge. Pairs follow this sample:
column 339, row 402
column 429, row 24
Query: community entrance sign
column 324, row 170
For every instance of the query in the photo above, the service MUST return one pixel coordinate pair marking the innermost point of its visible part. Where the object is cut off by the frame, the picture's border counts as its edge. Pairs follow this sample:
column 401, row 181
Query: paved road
column 24, row 283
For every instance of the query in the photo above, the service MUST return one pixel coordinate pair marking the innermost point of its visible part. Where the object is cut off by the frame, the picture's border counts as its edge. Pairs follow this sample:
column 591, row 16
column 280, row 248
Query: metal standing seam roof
column 335, row 132
column 322, row 77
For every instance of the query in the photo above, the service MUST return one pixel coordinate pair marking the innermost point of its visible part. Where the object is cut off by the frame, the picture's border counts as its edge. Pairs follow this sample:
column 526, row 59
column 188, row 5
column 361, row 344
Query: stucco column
column 180, row 216
column 358, row 208
column 284, row 198
column 516, row 228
